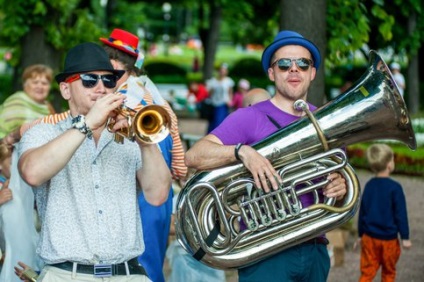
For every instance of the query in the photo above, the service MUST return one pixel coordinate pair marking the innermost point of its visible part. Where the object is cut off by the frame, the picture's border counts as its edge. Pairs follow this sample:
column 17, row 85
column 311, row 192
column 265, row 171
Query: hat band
column 123, row 45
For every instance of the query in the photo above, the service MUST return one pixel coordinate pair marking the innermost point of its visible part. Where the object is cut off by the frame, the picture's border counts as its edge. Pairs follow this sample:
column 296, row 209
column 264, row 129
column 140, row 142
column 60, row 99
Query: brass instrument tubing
column 300, row 104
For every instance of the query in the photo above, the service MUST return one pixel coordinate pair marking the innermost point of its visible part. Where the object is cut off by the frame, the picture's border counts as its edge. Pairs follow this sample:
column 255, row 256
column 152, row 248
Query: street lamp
column 166, row 9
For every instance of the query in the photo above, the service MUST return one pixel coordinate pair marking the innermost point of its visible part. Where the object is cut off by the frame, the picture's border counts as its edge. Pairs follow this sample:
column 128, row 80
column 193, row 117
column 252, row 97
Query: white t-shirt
column 219, row 90
column 400, row 81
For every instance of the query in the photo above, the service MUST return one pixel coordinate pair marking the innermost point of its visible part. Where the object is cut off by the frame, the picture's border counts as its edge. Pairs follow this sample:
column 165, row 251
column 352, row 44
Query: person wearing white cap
column 398, row 76
column 220, row 90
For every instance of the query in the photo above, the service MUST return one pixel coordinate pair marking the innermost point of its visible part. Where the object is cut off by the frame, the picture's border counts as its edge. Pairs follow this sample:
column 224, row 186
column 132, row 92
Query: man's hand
column 102, row 109
column 264, row 174
column 336, row 188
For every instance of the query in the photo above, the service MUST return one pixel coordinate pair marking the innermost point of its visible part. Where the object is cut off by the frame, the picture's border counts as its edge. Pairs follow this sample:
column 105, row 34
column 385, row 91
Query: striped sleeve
column 178, row 168
column 51, row 119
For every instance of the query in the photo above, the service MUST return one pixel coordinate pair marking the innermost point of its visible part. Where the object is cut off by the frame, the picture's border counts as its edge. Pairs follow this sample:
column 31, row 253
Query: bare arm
column 209, row 153
column 154, row 177
column 54, row 155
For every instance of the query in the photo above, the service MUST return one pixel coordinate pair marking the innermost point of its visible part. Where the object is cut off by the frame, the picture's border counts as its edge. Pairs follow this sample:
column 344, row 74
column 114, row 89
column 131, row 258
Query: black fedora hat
column 86, row 57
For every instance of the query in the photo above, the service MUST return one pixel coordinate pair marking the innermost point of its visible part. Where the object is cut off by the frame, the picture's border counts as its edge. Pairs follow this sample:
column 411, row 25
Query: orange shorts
column 375, row 252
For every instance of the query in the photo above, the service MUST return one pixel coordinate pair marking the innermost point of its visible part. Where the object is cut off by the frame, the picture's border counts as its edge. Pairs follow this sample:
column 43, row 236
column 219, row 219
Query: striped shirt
column 18, row 109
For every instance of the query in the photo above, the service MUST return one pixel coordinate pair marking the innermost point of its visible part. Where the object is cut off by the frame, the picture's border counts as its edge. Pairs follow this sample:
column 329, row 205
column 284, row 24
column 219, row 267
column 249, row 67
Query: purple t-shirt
column 251, row 124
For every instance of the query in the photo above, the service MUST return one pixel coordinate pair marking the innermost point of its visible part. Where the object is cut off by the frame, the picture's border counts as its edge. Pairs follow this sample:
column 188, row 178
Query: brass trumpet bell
column 150, row 124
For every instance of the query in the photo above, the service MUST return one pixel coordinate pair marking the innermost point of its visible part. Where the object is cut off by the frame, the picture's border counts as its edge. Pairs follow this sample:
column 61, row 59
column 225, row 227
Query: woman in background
column 27, row 105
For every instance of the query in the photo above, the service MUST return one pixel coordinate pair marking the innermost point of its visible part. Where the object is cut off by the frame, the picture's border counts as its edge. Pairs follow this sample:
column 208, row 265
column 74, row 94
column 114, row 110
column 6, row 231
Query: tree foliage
column 352, row 25
column 64, row 21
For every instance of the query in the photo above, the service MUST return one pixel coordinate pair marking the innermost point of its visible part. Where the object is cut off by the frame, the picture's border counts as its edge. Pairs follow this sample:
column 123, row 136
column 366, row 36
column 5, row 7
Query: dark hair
column 126, row 59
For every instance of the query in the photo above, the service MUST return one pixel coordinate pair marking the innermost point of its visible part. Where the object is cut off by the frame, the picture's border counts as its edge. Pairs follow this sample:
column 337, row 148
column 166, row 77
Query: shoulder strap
column 274, row 122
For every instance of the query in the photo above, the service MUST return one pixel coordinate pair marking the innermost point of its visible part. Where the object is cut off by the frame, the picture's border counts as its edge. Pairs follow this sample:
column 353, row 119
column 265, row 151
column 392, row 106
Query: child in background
column 382, row 218
column 198, row 91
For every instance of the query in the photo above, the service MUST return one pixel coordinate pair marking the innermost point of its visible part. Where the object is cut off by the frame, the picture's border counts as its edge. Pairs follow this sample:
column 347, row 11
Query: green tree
column 309, row 19
column 40, row 31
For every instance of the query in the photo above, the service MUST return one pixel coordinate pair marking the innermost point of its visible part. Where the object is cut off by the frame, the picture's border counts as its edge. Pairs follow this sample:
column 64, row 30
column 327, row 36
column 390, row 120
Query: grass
column 184, row 56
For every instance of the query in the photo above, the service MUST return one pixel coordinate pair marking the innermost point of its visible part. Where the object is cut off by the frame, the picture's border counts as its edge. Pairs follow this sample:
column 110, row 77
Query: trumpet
column 150, row 124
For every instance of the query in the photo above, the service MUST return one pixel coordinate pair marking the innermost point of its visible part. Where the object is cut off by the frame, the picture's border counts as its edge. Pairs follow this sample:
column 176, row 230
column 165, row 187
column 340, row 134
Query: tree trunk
column 309, row 19
column 210, row 37
column 36, row 50
column 412, row 84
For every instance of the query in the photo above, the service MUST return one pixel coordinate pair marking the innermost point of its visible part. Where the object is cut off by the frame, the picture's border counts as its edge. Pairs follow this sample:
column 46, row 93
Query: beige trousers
column 54, row 274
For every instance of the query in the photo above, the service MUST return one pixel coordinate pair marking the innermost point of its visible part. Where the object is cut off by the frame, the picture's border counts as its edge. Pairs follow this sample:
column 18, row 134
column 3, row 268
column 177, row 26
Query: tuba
column 212, row 203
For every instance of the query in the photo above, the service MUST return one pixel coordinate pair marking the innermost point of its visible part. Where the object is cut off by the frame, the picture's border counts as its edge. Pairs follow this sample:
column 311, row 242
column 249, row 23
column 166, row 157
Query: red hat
column 122, row 40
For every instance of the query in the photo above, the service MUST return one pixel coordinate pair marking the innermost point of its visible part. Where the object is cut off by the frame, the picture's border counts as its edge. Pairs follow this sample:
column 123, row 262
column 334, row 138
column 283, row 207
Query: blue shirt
column 383, row 213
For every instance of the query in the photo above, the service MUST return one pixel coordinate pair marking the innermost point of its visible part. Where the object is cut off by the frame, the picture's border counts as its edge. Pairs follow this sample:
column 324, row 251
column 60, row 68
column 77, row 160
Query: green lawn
column 185, row 56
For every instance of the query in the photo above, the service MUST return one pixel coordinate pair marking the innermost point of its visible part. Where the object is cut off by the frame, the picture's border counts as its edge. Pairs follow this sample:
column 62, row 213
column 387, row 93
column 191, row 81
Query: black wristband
column 236, row 151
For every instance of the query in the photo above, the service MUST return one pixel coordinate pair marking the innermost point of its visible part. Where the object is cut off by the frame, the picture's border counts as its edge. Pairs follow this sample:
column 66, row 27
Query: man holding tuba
column 291, row 62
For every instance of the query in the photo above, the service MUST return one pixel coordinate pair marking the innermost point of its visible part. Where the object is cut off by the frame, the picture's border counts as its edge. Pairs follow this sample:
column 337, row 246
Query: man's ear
column 313, row 73
column 271, row 74
column 65, row 90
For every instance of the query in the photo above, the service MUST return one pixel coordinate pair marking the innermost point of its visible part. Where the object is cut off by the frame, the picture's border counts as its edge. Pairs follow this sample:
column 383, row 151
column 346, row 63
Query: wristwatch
column 78, row 122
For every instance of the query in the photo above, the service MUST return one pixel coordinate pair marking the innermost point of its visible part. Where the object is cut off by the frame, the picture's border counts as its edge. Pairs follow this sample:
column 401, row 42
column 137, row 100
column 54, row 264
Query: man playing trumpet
column 86, row 183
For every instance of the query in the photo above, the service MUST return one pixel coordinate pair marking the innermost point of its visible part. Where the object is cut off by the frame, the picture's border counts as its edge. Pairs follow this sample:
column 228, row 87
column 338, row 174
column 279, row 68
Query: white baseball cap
column 395, row 66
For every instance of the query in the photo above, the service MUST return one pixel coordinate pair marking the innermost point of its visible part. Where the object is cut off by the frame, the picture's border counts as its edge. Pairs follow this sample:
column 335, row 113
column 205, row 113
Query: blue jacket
column 383, row 213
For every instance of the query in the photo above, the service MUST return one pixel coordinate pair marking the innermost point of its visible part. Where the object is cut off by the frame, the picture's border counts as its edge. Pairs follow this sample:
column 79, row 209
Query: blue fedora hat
column 288, row 37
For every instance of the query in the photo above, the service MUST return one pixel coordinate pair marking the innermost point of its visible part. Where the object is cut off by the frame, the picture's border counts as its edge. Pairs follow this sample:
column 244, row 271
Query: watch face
column 78, row 121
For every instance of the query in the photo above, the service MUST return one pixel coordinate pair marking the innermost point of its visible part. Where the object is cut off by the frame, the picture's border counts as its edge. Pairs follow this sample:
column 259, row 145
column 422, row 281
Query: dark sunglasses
column 285, row 64
column 89, row 80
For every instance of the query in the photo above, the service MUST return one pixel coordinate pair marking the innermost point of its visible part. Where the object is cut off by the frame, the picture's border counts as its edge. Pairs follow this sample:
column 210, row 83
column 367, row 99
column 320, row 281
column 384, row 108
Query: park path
column 410, row 267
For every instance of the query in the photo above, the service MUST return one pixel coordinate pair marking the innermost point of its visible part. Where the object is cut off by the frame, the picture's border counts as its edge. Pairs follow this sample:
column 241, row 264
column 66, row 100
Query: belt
column 104, row 270
column 318, row 240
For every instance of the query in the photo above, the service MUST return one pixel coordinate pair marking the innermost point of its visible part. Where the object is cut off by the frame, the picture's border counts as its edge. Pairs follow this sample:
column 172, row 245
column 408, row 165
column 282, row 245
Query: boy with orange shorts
column 382, row 217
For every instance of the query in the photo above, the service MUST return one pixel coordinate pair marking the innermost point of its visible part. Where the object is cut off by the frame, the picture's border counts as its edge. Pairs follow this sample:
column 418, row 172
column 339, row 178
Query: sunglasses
column 285, row 64
column 89, row 80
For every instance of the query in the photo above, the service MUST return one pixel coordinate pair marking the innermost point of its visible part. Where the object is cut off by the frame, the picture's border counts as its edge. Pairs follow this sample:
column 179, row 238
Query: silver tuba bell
column 212, row 203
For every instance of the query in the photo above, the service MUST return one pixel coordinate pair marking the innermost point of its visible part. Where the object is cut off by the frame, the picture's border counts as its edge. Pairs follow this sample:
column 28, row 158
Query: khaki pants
column 54, row 274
